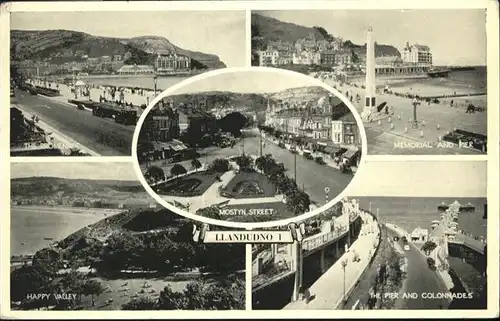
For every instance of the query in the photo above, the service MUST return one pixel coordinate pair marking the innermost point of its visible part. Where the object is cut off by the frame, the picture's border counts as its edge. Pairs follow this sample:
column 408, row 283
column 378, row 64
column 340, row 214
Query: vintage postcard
column 249, row 159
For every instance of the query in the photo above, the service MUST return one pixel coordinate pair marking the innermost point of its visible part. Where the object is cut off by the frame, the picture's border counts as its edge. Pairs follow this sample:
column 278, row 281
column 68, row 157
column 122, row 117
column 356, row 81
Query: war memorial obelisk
column 370, row 108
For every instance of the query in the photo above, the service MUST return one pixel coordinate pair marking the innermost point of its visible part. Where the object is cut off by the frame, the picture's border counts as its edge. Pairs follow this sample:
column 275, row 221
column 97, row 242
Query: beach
column 36, row 227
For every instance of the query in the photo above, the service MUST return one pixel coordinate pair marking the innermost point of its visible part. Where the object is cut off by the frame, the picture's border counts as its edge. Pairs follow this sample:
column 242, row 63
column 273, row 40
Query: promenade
column 435, row 121
column 327, row 293
column 77, row 128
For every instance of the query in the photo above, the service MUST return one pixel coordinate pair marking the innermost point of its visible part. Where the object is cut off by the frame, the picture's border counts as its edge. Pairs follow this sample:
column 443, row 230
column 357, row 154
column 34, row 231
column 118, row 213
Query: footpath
column 334, row 286
column 326, row 158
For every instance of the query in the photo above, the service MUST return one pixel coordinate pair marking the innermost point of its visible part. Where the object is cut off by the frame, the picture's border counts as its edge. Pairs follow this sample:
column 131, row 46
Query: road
column 381, row 137
column 311, row 176
column 101, row 135
column 420, row 279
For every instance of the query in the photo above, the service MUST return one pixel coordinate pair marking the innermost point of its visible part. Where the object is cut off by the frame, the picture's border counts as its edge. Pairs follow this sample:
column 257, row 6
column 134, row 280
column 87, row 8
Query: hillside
column 48, row 44
column 274, row 29
column 47, row 186
column 221, row 99
column 249, row 101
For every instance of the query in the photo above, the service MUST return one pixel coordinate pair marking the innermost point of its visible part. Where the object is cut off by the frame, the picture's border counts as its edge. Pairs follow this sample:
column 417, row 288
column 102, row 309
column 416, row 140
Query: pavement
column 327, row 293
column 100, row 135
column 435, row 120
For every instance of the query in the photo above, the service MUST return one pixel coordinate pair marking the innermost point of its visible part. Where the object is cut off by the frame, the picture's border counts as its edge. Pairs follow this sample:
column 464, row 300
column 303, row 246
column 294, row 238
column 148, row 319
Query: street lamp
column 155, row 80
column 344, row 264
column 295, row 166
column 415, row 103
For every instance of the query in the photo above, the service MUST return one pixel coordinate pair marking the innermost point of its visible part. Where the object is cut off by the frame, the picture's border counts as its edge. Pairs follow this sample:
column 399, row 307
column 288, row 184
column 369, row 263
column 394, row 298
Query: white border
column 308, row 81
column 492, row 28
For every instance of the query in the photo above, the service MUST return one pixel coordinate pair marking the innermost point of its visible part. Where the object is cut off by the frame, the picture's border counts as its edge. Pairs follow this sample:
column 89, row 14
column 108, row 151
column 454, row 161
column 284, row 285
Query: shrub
column 319, row 160
column 220, row 165
column 431, row 264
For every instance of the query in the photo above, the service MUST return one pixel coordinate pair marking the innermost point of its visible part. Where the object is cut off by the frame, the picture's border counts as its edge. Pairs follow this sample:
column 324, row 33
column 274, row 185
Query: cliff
column 49, row 44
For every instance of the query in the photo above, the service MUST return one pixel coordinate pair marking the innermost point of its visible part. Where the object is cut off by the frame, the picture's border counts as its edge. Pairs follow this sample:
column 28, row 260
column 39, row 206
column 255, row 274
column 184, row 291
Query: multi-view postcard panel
column 81, row 92
column 249, row 146
column 86, row 236
column 393, row 245
column 214, row 154
column 417, row 92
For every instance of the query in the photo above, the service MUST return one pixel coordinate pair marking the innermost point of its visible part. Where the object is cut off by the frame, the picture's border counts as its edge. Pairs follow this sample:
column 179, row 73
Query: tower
column 370, row 107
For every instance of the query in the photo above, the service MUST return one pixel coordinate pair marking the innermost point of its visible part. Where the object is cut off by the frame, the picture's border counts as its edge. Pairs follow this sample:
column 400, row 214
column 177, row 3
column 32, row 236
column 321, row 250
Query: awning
column 331, row 149
column 349, row 154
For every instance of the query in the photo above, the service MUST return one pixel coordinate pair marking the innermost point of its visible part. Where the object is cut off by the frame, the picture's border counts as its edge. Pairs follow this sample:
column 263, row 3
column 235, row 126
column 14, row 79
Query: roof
column 130, row 68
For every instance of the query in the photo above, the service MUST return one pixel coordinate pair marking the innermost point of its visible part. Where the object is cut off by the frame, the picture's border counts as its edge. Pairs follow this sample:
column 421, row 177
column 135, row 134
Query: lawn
column 250, row 185
column 190, row 185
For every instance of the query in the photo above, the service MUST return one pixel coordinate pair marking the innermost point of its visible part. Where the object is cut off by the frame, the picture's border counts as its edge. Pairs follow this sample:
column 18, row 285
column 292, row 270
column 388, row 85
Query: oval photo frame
column 308, row 81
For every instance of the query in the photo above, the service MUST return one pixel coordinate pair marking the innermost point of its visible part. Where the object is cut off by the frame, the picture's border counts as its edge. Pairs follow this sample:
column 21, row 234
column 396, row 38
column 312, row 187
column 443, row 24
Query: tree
column 286, row 185
column 27, row 279
column 244, row 161
column 210, row 212
column 260, row 163
column 428, row 247
column 154, row 174
column 195, row 163
column 47, row 261
column 93, row 288
column 170, row 300
column 299, row 203
column 220, row 165
column 177, row 170
column 233, row 123
column 141, row 303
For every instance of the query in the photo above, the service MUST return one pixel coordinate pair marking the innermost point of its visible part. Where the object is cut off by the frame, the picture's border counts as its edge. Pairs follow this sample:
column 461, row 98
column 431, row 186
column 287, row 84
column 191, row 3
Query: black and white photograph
column 80, row 80
column 87, row 236
column 415, row 241
column 249, row 146
column 417, row 77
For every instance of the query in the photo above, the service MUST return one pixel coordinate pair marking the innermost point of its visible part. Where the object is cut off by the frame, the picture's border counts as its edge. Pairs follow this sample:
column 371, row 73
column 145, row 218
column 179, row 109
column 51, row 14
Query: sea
column 31, row 227
column 458, row 81
column 412, row 212
column 135, row 81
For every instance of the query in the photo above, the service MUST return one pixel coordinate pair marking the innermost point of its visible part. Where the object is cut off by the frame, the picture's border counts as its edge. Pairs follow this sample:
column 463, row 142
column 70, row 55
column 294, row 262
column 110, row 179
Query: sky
column 221, row 33
column 76, row 170
column 422, row 179
column 245, row 82
column 455, row 37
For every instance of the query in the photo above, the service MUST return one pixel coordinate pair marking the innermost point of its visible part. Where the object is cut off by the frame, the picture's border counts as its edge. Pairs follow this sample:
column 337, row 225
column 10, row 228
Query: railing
column 313, row 242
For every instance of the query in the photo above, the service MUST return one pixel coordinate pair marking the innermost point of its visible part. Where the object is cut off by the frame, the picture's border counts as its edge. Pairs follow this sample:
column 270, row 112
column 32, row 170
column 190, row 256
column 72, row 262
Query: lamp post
column 344, row 264
column 260, row 136
column 295, row 166
column 155, row 81
column 415, row 103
